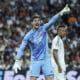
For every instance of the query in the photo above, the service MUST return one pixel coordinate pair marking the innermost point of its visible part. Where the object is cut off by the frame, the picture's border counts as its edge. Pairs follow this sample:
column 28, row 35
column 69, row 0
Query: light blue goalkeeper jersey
column 38, row 41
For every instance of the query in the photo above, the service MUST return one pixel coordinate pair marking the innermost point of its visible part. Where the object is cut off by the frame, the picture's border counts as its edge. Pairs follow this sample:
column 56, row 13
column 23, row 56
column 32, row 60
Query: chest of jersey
column 37, row 37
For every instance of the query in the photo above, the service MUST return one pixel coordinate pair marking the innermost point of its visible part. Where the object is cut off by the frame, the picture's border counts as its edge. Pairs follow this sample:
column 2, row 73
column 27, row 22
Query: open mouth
column 37, row 24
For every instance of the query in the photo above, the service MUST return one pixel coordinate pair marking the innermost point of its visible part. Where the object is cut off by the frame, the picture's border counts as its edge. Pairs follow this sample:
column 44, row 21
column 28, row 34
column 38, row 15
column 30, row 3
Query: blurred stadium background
column 15, row 18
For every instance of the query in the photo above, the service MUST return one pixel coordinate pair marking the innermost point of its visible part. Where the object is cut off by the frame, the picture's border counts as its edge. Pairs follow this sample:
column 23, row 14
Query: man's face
column 36, row 23
column 62, row 31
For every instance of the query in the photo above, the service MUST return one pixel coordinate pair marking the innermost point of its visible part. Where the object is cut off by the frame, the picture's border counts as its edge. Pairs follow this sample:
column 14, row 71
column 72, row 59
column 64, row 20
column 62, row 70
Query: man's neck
column 60, row 36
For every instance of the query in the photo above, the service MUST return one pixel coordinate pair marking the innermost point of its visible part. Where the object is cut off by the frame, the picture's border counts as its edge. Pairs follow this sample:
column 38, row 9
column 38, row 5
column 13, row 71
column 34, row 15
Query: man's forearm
column 55, row 55
column 19, row 54
column 52, row 21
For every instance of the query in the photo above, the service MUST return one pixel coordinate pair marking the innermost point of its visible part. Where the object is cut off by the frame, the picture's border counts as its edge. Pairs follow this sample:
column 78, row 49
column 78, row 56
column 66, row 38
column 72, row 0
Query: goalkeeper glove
column 65, row 10
column 17, row 65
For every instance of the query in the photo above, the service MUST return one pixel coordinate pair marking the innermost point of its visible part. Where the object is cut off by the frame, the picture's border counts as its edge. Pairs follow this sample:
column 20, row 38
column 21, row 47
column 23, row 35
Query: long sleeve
column 22, row 47
column 51, row 22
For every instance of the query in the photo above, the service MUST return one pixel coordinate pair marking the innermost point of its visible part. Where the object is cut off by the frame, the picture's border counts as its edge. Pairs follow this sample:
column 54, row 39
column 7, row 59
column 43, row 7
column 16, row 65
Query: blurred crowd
column 15, row 16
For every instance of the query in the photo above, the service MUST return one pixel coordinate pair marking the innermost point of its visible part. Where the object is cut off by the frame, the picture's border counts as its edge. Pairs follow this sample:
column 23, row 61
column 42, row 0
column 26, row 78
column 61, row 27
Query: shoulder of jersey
column 56, row 38
column 29, row 33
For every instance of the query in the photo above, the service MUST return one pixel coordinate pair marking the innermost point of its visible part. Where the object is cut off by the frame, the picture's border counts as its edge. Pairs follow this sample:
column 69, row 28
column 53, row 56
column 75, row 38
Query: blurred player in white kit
column 58, row 55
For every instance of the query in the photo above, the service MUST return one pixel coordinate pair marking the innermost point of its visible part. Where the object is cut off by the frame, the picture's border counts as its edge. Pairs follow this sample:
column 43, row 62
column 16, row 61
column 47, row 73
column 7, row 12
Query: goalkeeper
column 38, row 42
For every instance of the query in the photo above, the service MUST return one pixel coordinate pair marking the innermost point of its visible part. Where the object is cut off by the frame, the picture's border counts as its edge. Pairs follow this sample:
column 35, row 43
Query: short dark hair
column 61, row 26
column 35, row 16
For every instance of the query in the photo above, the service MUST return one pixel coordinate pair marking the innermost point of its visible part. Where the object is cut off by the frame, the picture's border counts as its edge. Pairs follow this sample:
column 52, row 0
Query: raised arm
column 56, row 17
